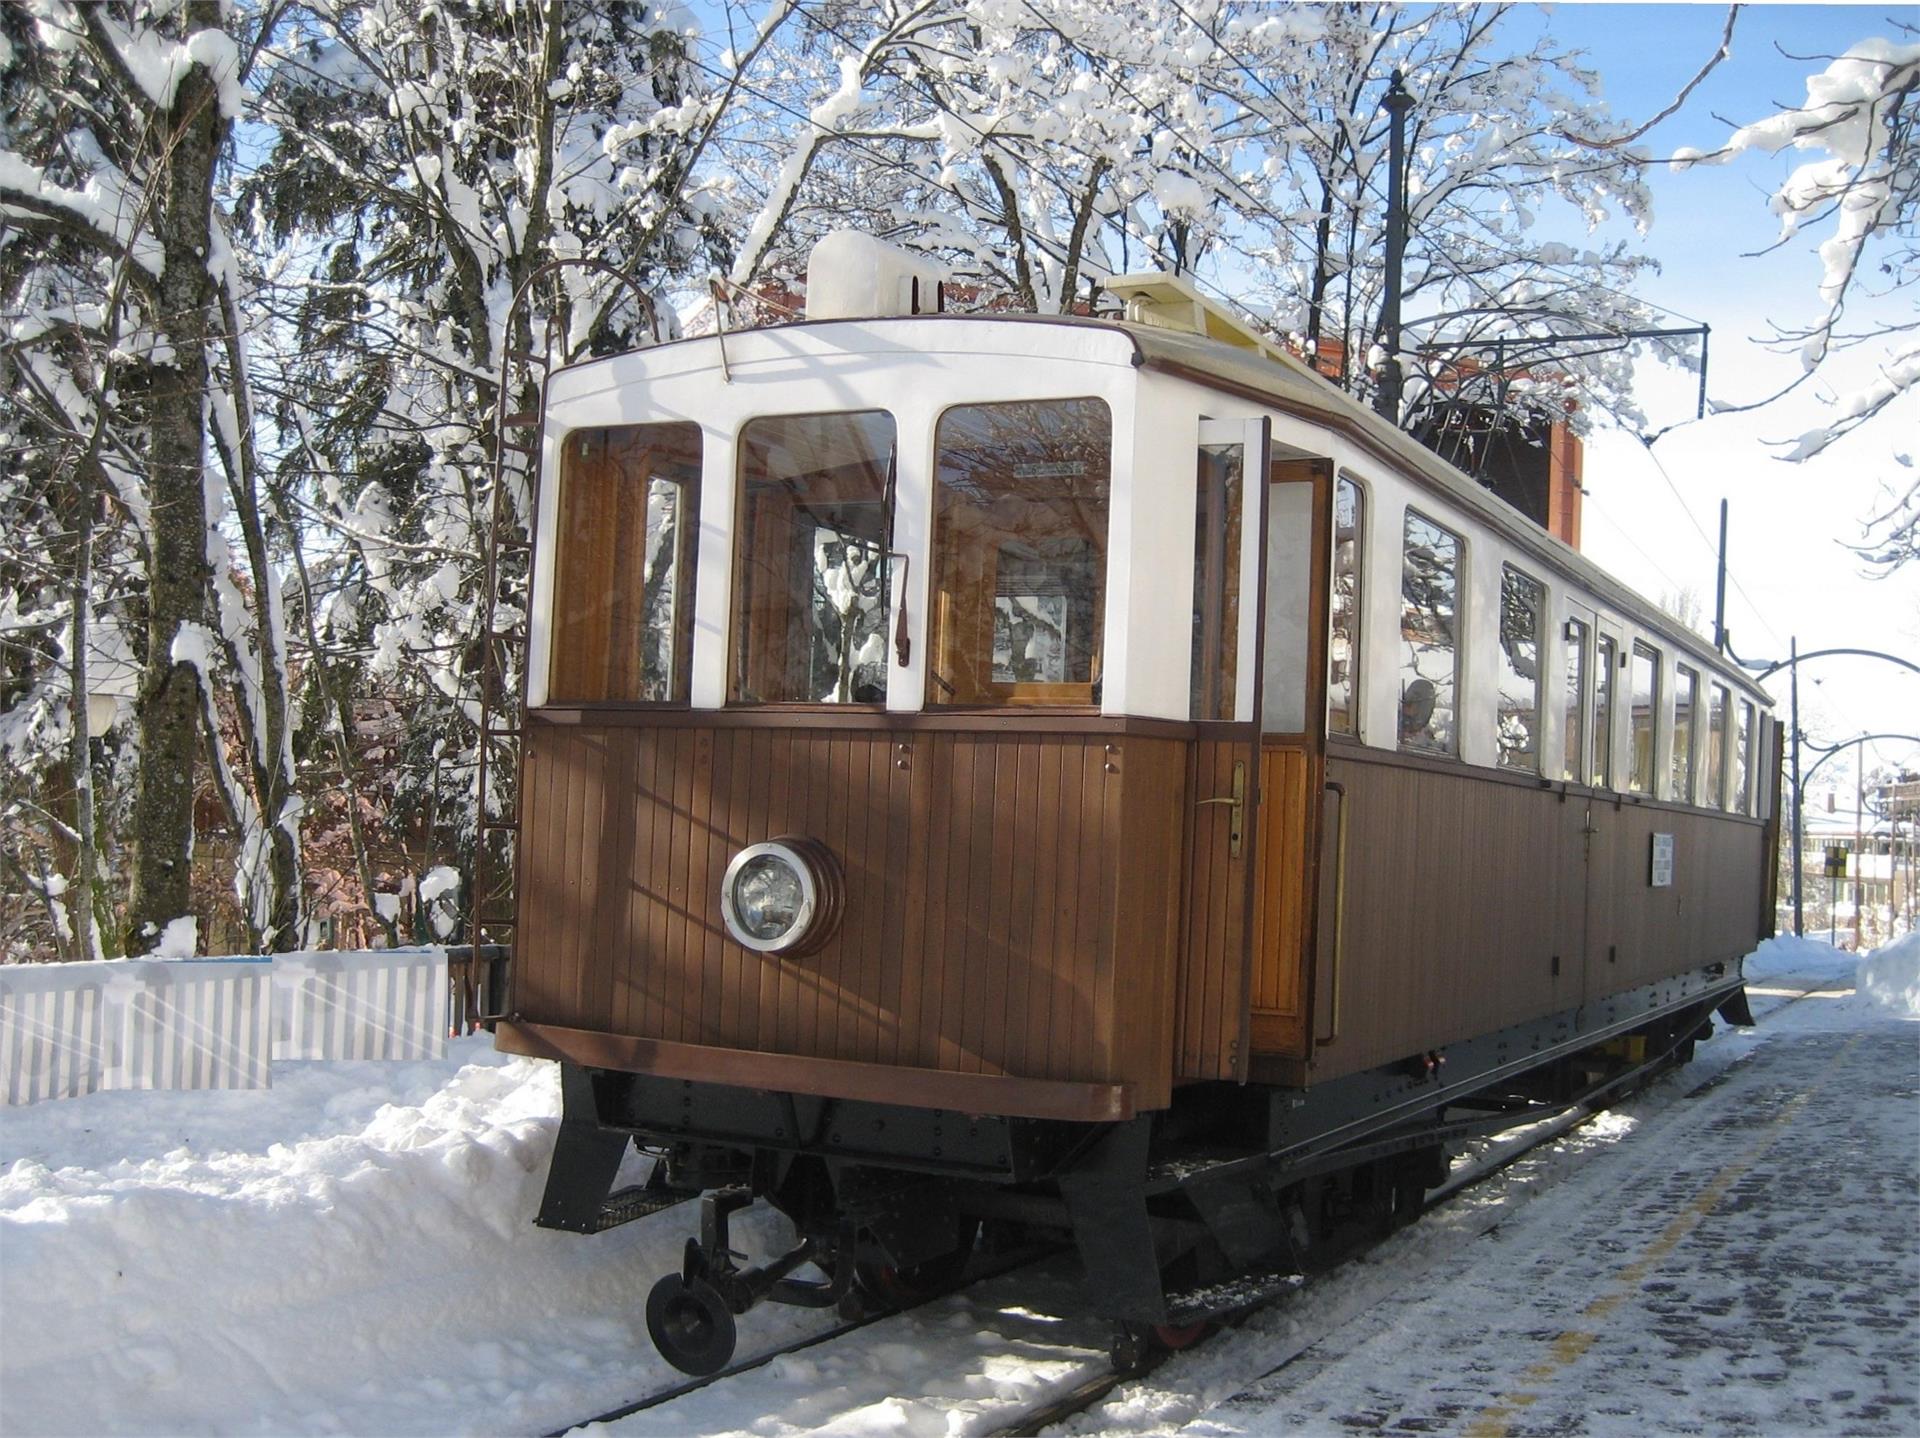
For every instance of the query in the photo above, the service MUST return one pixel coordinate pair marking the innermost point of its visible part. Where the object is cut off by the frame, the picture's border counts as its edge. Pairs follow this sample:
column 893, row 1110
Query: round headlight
column 782, row 896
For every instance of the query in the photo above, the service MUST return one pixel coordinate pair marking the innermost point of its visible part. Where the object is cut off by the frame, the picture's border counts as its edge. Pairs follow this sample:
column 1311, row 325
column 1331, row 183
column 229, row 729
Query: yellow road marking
column 1495, row 1420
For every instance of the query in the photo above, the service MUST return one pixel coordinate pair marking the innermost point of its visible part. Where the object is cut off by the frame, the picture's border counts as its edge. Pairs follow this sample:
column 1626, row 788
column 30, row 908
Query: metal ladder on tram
column 492, row 910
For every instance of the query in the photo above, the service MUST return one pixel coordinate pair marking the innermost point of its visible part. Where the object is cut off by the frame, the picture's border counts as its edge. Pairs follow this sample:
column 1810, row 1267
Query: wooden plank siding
column 1289, row 809
column 1212, row 984
column 1012, row 897
column 1462, row 889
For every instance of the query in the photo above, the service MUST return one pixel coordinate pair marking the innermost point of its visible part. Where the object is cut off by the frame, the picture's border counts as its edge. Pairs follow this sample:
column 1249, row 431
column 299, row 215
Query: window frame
column 1602, row 756
column 1033, row 696
column 1746, row 731
column 1719, row 766
column 737, row 566
column 1462, row 599
column 686, row 563
column 1682, row 672
column 1356, row 642
column 1639, row 650
column 1541, row 606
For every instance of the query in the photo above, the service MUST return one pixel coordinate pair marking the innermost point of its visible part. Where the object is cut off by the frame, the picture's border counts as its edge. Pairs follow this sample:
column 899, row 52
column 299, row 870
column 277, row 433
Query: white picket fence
column 72, row 1029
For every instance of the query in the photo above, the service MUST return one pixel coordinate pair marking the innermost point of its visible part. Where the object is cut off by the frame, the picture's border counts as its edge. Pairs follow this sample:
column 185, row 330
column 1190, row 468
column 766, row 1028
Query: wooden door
column 1298, row 550
column 1571, row 891
column 1607, row 769
column 1222, row 835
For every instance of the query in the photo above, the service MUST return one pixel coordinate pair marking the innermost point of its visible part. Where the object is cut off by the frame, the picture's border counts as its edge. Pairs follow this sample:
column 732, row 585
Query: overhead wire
column 1475, row 281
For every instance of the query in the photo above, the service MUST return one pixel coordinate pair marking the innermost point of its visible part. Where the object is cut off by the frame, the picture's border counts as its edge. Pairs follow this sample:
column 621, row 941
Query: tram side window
column 1715, row 789
column 623, row 568
column 1522, row 603
column 1343, row 645
column 1686, row 698
column 1743, row 761
column 1644, row 674
column 1605, row 655
column 1020, row 553
column 811, row 588
column 1574, row 764
column 1430, row 653
column 1216, row 580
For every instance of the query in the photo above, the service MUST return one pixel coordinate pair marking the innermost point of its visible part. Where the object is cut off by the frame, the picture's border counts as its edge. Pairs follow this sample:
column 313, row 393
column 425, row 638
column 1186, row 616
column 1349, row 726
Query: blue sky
column 1791, row 575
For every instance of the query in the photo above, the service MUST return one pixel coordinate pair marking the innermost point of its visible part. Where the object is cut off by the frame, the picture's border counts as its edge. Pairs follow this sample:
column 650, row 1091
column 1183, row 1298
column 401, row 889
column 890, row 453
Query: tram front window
column 811, row 587
column 623, row 592
column 1019, row 553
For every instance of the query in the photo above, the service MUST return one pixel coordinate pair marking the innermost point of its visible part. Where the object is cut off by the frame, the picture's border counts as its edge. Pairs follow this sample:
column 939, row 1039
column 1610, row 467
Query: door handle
column 1237, row 800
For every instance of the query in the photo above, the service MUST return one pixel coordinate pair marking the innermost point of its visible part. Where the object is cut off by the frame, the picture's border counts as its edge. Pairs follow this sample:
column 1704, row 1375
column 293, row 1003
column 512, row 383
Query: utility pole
column 1859, row 835
column 1392, row 381
column 1799, row 851
column 1720, row 588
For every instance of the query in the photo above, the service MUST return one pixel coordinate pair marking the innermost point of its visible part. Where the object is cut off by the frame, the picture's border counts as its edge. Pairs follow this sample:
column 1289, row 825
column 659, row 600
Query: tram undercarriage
column 1179, row 1216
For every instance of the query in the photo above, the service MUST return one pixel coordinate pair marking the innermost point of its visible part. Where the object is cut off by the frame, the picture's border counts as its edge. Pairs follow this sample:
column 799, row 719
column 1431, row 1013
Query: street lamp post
column 1764, row 669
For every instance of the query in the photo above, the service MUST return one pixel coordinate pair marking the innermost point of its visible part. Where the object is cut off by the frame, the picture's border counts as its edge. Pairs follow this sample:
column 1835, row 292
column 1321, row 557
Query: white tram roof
column 1286, row 385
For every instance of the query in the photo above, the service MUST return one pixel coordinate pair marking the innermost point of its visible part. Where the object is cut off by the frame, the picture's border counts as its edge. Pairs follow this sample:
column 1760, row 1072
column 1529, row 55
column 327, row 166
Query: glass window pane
column 1743, row 761
column 1605, row 655
column 1644, row 716
column 1574, row 765
column 1288, row 642
column 1522, row 603
column 623, row 569
column 1020, row 552
column 1430, row 656
column 1686, row 698
column 1343, row 645
column 1714, row 790
column 811, row 589
column 1216, row 580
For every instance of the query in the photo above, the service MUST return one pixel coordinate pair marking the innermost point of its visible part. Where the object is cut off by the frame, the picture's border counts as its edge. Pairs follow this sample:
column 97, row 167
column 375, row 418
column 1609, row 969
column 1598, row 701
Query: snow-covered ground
column 351, row 1252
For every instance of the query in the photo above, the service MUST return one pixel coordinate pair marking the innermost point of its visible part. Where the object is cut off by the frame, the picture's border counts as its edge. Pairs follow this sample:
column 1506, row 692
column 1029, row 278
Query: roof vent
column 1170, row 302
column 854, row 276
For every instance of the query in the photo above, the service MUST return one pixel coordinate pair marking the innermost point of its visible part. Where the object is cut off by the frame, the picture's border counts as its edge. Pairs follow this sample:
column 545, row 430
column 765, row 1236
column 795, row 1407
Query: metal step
column 1217, row 1300
column 636, row 1202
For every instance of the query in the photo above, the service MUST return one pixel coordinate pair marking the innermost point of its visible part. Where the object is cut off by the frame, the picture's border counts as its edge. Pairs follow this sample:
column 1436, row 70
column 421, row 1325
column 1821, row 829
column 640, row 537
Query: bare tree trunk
column 269, row 752
column 80, row 888
column 1077, row 241
column 1016, row 234
column 193, row 133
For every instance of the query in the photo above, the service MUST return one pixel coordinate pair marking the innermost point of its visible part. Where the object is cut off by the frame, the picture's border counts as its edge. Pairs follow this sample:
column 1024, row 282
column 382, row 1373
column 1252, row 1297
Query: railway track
column 1099, row 1381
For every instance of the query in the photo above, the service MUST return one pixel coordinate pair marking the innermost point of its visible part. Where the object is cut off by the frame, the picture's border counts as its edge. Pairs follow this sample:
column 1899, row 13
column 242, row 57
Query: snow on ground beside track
column 1890, row 977
column 352, row 1252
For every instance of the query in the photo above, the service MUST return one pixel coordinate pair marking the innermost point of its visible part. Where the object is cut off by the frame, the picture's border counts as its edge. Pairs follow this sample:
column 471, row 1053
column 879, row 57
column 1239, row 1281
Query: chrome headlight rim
column 818, row 914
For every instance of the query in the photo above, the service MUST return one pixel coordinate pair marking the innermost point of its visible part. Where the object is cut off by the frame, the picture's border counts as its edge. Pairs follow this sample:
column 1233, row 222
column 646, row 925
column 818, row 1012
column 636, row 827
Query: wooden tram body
column 1092, row 654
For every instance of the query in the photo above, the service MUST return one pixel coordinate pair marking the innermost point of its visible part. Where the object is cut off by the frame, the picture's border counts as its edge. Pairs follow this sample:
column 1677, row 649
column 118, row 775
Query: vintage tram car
column 1091, row 776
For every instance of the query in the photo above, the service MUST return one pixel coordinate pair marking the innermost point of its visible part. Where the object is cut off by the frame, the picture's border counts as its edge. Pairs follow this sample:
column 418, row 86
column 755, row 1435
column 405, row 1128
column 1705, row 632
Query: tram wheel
column 691, row 1325
column 1174, row 1337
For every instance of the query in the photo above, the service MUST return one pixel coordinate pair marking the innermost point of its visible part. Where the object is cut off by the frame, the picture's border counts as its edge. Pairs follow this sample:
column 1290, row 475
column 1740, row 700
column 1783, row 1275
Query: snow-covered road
column 1734, row 1251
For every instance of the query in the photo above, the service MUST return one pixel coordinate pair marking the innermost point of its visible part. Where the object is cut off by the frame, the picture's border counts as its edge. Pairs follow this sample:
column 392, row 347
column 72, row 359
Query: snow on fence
column 72, row 1029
